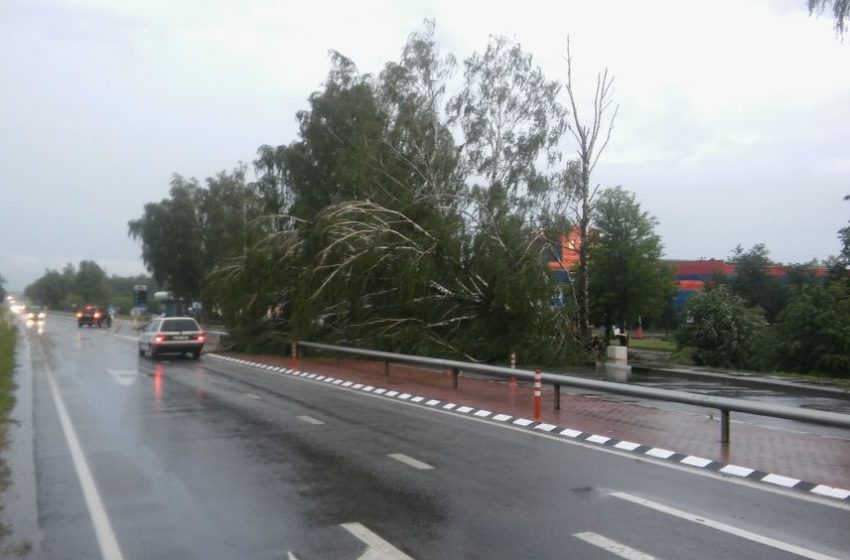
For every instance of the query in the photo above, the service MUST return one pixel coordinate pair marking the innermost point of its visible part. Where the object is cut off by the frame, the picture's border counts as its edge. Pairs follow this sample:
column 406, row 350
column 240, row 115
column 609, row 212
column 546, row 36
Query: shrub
column 722, row 330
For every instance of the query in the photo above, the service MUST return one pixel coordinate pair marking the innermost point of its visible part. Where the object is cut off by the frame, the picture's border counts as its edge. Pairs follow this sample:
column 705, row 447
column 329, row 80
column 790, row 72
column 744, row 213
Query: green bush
column 813, row 331
column 722, row 330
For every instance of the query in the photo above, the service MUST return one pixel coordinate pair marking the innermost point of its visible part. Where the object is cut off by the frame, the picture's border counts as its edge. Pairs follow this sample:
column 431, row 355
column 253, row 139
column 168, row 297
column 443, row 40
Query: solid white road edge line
column 106, row 540
column 378, row 547
column 410, row 461
column 700, row 520
column 613, row 547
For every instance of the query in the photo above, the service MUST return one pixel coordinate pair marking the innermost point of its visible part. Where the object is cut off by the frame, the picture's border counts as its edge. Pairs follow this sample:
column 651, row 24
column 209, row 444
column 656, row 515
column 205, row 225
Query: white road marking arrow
column 379, row 549
column 125, row 377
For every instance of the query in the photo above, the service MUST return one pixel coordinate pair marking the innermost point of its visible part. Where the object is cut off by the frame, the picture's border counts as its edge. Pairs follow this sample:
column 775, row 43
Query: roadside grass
column 652, row 344
column 7, row 397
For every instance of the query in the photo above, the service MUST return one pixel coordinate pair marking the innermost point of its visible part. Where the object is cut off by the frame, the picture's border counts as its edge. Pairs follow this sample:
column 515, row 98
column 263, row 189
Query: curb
column 630, row 447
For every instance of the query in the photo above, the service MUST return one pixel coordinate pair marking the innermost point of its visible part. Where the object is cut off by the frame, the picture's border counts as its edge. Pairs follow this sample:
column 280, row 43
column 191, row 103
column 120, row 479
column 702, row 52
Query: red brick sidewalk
column 807, row 457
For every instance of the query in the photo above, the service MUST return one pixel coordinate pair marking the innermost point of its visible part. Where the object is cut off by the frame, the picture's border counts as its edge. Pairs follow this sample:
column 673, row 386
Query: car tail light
column 159, row 338
column 97, row 314
column 201, row 338
column 80, row 315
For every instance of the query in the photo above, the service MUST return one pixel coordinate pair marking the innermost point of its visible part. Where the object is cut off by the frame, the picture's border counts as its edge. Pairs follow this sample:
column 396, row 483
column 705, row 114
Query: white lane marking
column 379, row 549
column 125, row 377
column 130, row 338
column 831, row 492
column 735, row 470
column 291, row 556
column 660, row 453
column 253, row 396
column 696, row 461
column 767, row 541
column 106, row 539
column 780, row 480
column 613, row 547
column 410, row 461
column 571, row 433
column 311, row 420
column 627, row 445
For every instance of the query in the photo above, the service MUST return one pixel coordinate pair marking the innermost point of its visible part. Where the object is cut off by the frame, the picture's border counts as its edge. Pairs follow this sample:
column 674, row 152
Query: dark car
column 92, row 315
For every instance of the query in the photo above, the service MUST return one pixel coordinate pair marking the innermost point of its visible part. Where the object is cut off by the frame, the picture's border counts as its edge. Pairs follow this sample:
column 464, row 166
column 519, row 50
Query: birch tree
column 592, row 137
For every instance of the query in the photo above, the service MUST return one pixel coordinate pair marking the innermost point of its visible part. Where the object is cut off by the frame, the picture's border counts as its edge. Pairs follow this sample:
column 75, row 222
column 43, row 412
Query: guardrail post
column 538, row 384
column 557, row 389
column 513, row 366
column 387, row 368
column 724, row 426
column 455, row 374
column 294, row 351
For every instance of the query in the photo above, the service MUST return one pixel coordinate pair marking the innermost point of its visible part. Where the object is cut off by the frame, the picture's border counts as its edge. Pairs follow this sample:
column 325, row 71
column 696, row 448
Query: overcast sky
column 732, row 126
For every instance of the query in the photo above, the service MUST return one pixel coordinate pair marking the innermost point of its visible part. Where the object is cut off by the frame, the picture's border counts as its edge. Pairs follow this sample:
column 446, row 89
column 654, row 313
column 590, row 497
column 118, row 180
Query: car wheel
column 196, row 354
column 141, row 351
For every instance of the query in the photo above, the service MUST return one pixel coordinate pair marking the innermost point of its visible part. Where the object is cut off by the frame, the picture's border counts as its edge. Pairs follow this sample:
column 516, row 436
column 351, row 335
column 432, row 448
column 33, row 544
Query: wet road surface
column 176, row 458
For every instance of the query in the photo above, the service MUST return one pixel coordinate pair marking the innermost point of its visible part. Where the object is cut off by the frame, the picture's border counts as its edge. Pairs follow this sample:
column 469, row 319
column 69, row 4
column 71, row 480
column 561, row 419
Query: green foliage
column 627, row 275
column 88, row 284
column 8, row 336
column 844, row 237
column 509, row 115
column 752, row 282
column 383, row 246
column 813, row 331
column 2, row 288
column 171, row 238
column 722, row 330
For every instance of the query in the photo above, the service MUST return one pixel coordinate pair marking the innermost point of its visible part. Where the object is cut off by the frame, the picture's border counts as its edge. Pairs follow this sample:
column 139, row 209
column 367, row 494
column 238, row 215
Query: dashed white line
column 613, row 547
column 311, row 420
column 767, row 541
column 410, row 461
column 378, row 548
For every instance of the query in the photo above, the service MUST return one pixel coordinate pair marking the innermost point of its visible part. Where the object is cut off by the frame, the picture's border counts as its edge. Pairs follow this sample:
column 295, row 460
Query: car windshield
column 179, row 325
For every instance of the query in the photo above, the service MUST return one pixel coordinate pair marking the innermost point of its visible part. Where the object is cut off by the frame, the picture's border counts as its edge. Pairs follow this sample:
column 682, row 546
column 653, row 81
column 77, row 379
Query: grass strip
column 8, row 337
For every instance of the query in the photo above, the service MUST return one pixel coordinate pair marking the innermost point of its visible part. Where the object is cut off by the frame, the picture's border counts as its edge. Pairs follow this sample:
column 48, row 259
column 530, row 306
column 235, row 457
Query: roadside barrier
column 723, row 404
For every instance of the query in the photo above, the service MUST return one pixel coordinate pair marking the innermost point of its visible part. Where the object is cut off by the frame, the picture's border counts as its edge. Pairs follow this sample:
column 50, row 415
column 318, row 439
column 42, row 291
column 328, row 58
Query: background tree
column 844, row 238
column 172, row 240
column 752, row 281
column 509, row 115
column 627, row 273
column 813, row 330
column 2, row 288
column 91, row 283
column 722, row 330
column 592, row 138
column 840, row 12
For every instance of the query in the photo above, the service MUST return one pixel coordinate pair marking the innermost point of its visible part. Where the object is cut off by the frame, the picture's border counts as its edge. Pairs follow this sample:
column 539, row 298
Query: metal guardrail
column 724, row 404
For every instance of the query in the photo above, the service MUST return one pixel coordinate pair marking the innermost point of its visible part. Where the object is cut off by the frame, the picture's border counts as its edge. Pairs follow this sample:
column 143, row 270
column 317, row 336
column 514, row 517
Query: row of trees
column 84, row 284
column 799, row 322
column 408, row 219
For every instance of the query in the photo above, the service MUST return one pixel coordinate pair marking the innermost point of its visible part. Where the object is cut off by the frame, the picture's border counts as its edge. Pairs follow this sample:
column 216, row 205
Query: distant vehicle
column 92, row 315
column 172, row 335
column 35, row 313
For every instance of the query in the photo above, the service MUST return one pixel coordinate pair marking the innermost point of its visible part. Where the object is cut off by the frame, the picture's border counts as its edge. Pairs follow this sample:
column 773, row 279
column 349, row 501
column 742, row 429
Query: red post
column 538, row 385
column 294, row 355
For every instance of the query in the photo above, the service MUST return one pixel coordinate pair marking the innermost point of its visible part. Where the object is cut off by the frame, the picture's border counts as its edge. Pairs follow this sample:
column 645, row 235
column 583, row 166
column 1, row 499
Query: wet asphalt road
column 207, row 459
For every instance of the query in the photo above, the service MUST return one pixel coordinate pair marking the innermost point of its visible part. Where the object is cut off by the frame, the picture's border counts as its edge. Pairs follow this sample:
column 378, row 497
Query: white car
column 172, row 335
